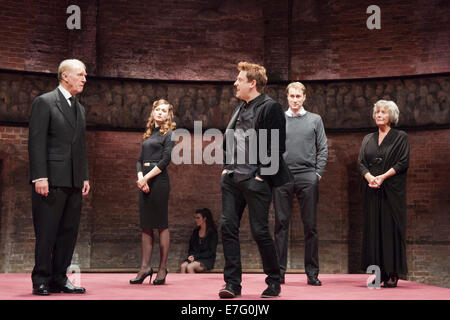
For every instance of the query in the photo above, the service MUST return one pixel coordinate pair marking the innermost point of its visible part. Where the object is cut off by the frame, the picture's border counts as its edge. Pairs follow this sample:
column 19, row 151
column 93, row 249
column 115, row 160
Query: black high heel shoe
column 142, row 278
column 157, row 282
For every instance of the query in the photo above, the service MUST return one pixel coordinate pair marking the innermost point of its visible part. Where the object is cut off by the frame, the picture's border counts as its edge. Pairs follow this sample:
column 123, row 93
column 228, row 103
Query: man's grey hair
column 67, row 65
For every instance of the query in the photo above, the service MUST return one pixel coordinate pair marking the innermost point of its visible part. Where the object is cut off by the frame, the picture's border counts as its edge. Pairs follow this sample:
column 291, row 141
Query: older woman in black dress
column 154, row 185
column 383, row 161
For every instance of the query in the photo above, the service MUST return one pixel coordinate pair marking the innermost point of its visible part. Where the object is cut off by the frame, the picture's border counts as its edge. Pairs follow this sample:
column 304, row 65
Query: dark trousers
column 235, row 196
column 306, row 188
column 56, row 219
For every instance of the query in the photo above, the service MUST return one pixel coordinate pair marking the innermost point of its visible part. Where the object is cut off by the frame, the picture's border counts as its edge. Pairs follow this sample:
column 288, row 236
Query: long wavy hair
column 206, row 213
column 169, row 124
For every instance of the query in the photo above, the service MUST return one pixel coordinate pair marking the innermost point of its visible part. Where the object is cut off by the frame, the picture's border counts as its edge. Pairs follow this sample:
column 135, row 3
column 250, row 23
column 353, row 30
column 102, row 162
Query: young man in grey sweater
column 306, row 156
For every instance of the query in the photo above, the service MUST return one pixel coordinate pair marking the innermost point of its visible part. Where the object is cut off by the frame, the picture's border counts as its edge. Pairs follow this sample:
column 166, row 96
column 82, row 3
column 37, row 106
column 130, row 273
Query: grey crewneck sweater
column 306, row 143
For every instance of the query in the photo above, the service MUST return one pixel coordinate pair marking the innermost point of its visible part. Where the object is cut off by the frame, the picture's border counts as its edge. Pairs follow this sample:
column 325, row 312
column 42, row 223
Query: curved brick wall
column 127, row 103
column 326, row 44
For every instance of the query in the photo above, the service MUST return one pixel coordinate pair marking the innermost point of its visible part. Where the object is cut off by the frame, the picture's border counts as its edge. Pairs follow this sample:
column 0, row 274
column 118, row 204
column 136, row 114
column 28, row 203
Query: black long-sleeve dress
column 384, row 230
column 204, row 249
column 154, row 206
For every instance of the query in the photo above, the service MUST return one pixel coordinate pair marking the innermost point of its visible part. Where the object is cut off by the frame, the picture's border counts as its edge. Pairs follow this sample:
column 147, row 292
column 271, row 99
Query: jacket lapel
column 234, row 117
column 258, row 109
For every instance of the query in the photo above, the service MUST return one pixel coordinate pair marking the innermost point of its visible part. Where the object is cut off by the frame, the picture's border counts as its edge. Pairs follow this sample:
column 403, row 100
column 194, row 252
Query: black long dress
column 384, row 230
column 154, row 206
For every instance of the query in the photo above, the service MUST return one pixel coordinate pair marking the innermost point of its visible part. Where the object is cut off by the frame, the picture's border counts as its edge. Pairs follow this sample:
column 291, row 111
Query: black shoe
column 142, row 278
column 230, row 291
column 391, row 283
column 68, row 287
column 314, row 281
column 158, row 282
column 272, row 291
column 41, row 290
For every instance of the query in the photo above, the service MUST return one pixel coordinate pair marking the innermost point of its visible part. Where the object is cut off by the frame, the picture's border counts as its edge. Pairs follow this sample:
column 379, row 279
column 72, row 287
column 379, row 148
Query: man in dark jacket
column 254, row 143
column 59, row 176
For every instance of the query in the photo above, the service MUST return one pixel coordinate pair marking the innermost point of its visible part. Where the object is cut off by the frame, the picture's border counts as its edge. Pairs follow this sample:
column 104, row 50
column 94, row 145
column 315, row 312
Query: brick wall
column 33, row 35
column 330, row 40
column 203, row 40
column 110, row 236
column 126, row 104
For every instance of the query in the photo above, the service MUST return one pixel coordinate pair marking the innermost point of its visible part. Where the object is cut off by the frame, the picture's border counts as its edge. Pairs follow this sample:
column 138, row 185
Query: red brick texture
column 330, row 40
column 195, row 41
column 110, row 237
column 203, row 40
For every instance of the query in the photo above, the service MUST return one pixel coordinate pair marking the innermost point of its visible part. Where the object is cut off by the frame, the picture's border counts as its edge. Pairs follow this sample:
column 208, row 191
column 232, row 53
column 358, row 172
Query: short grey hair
column 392, row 109
column 68, row 64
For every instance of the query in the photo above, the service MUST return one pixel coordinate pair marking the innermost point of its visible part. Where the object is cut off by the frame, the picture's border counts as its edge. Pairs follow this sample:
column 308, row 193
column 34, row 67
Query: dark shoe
column 391, row 283
column 41, row 290
column 139, row 280
column 314, row 281
column 272, row 291
column 68, row 287
column 282, row 280
column 230, row 291
column 158, row 282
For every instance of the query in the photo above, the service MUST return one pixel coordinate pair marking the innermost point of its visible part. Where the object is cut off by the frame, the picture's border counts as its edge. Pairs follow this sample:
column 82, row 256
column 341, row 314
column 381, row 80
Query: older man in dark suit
column 59, row 176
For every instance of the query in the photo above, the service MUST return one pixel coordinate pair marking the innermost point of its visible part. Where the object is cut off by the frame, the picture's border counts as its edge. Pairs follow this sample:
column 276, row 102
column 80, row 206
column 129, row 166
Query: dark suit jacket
column 56, row 142
column 268, row 115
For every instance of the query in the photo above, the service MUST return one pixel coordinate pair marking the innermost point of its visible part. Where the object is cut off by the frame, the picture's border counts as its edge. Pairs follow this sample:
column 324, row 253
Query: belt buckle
column 146, row 164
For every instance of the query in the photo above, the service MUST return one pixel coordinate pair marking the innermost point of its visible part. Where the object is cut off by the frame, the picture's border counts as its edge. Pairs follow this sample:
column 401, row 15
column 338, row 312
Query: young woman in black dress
column 153, row 182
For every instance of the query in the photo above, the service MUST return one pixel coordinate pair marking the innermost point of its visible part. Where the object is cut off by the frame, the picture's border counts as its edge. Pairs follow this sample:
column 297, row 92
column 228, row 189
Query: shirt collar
column 290, row 114
column 253, row 101
column 65, row 93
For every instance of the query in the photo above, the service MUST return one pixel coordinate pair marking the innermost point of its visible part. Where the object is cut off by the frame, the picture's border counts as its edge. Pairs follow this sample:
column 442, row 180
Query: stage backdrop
column 187, row 53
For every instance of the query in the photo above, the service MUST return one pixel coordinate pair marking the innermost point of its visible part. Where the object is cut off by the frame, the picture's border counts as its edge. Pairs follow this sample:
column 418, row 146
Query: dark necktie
column 73, row 106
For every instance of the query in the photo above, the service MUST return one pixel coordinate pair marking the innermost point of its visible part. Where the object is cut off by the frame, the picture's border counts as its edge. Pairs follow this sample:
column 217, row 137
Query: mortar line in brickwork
column 222, row 82
column 427, row 242
column 327, row 130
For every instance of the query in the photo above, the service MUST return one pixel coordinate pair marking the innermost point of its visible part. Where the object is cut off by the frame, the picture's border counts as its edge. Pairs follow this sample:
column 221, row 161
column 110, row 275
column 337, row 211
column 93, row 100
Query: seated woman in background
column 203, row 244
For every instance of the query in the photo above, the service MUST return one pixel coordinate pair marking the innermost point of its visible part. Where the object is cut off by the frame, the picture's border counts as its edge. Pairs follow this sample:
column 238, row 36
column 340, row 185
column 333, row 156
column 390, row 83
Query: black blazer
column 56, row 141
column 206, row 251
column 268, row 115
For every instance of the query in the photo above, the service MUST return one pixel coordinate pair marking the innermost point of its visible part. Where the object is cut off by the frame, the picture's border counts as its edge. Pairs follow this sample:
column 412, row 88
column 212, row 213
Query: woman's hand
column 146, row 188
column 380, row 179
column 373, row 182
column 142, row 184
